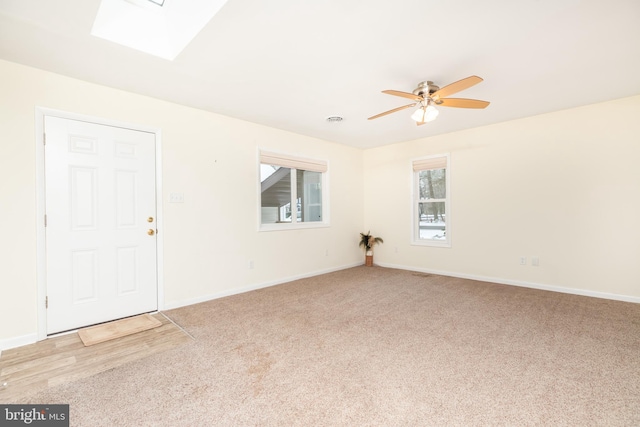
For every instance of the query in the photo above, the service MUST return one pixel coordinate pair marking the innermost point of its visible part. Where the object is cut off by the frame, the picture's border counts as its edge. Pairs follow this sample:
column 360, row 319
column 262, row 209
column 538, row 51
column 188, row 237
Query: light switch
column 176, row 198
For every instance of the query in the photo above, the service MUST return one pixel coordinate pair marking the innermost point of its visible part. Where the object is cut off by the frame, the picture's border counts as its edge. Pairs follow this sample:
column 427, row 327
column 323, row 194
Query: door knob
column 151, row 232
column 150, row 219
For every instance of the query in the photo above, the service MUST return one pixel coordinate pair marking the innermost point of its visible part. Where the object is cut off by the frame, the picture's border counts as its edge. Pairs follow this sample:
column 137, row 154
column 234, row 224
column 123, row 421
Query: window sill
column 432, row 243
column 290, row 226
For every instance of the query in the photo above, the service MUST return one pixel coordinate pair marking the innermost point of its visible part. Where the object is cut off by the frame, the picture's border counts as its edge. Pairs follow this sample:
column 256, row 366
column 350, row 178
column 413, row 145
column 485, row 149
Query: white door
column 100, row 223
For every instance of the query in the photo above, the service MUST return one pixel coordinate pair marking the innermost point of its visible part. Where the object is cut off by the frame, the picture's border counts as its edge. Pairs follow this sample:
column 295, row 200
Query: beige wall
column 564, row 187
column 210, row 238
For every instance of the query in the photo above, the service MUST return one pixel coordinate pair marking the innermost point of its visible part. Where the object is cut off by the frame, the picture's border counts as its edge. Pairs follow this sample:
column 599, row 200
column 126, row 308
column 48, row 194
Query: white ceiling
column 290, row 64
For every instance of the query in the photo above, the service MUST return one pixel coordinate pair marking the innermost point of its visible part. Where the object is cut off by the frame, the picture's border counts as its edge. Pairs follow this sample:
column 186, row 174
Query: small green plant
column 367, row 241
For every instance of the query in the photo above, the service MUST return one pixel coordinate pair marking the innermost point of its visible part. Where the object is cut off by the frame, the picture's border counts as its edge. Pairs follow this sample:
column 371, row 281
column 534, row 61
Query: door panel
column 127, row 267
column 84, row 276
column 100, row 191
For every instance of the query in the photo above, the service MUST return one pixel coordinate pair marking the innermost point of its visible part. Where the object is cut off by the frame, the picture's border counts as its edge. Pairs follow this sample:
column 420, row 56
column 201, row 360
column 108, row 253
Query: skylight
column 158, row 27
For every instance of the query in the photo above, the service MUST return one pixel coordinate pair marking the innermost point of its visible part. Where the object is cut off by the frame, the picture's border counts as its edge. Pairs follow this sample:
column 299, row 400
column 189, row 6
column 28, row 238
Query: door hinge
column 44, row 139
column 46, row 301
column 45, row 220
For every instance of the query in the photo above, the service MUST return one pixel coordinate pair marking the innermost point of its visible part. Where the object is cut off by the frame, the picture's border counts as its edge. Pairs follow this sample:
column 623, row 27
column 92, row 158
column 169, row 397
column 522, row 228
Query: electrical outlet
column 523, row 260
column 251, row 265
column 535, row 261
column 326, row 252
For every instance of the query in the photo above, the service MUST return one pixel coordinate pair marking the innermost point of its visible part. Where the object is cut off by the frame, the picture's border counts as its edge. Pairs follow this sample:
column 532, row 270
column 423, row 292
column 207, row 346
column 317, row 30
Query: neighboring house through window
column 292, row 192
column 431, row 208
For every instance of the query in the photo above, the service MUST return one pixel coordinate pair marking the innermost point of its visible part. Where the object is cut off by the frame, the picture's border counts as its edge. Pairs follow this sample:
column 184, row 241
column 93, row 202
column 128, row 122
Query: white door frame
column 41, row 255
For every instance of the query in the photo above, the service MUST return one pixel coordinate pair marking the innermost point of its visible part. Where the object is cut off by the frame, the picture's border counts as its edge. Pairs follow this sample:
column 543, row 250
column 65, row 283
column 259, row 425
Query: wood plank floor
column 28, row 369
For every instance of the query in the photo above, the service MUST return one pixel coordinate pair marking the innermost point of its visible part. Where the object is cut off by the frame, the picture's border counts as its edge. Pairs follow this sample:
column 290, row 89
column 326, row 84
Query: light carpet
column 370, row 346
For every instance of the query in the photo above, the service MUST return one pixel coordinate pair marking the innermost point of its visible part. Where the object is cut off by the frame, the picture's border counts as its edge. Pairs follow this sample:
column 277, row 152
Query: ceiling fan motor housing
column 426, row 89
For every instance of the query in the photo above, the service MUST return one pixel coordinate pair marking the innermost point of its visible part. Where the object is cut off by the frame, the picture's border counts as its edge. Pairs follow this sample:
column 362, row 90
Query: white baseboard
column 553, row 288
column 8, row 343
column 253, row 287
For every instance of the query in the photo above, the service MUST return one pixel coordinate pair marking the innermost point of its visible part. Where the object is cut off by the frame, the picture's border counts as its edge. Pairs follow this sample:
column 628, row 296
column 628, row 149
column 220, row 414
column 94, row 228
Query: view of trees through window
column 432, row 189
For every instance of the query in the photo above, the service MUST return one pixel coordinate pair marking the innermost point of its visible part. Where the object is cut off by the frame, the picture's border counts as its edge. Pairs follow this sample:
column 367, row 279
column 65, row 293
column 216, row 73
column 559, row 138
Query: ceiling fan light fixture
column 418, row 115
column 430, row 113
column 425, row 114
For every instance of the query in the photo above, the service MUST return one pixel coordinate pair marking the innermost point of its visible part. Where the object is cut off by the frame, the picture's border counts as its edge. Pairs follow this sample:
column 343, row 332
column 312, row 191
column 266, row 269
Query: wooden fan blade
column 392, row 111
column 403, row 94
column 456, row 87
column 462, row 103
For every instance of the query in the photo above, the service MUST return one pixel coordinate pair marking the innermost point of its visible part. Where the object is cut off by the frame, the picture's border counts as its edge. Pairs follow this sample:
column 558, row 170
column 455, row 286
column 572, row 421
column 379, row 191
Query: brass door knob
column 150, row 219
column 151, row 232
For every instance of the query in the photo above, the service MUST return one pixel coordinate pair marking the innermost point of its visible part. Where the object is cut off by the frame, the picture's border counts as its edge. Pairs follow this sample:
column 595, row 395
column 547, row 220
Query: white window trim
column 415, row 199
column 316, row 165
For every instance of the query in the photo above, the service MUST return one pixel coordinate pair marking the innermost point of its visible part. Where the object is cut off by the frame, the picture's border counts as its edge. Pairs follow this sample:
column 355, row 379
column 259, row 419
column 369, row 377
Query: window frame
column 416, row 200
column 269, row 157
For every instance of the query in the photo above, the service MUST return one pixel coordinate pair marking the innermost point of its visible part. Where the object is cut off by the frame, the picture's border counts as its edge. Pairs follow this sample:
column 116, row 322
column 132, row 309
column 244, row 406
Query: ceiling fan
column 428, row 95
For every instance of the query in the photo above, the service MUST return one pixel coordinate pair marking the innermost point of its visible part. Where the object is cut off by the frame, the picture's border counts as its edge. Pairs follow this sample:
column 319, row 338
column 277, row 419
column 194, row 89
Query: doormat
column 117, row 329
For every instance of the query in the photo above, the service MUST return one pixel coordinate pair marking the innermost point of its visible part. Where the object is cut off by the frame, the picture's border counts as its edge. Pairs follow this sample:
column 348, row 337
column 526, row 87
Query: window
column 291, row 192
column 431, row 211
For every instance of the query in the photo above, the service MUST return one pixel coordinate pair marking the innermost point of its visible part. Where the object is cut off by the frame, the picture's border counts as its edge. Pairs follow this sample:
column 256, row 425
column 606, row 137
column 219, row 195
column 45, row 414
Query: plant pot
column 368, row 261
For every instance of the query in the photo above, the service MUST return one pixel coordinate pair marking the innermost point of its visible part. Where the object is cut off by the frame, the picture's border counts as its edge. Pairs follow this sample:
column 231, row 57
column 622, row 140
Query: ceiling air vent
column 148, row 4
